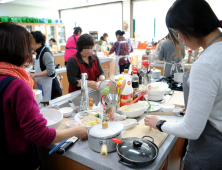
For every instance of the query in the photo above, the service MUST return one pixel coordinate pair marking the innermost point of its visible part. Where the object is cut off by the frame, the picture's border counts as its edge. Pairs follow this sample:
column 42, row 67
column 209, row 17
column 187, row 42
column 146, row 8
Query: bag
column 56, row 88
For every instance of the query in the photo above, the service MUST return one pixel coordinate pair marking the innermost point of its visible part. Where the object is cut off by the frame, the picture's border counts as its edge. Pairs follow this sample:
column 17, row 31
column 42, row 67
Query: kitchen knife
column 171, row 92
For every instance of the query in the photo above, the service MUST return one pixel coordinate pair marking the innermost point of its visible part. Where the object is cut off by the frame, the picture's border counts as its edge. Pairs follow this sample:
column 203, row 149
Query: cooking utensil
column 111, row 99
column 100, row 137
column 137, row 152
column 178, row 77
column 55, row 148
column 107, row 86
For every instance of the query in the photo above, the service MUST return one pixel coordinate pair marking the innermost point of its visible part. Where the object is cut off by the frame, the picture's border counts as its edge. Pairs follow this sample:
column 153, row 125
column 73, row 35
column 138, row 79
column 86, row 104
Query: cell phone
column 62, row 149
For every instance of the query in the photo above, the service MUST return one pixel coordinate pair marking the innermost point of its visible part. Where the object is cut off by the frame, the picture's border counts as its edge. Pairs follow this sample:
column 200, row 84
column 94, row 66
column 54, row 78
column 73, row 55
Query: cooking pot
column 38, row 95
column 137, row 152
column 100, row 137
column 178, row 77
column 156, row 73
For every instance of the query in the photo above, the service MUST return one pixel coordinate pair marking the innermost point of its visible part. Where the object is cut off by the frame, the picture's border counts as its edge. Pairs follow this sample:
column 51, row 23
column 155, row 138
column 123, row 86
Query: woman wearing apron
column 202, row 124
column 166, row 53
column 21, row 124
column 45, row 74
column 71, row 47
column 83, row 61
column 122, row 48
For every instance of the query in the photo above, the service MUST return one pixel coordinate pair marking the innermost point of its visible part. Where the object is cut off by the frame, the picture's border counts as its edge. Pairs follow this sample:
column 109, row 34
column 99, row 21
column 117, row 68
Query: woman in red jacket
column 21, row 123
column 71, row 47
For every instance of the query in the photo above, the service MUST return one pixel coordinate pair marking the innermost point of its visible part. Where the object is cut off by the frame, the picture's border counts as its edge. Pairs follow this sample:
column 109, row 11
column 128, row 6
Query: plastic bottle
column 135, row 82
column 127, row 93
column 90, row 104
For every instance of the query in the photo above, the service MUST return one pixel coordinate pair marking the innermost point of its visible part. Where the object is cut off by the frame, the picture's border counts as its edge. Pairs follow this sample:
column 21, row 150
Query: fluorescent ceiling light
column 5, row 1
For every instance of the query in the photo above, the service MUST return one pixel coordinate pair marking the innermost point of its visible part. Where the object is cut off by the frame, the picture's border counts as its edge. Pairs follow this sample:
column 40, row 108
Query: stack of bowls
column 156, row 95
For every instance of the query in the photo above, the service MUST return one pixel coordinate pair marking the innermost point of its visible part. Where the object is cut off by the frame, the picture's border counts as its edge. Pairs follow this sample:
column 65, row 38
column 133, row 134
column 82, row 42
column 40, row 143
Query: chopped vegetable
column 148, row 109
column 150, row 128
column 126, row 109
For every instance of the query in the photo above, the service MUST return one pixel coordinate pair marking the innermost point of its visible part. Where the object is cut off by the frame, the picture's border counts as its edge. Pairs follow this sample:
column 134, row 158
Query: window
column 150, row 19
column 102, row 18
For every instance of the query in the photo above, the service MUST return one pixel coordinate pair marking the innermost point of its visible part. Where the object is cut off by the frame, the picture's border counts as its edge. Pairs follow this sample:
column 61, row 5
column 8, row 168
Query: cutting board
column 63, row 124
column 142, row 130
column 177, row 99
column 161, row 113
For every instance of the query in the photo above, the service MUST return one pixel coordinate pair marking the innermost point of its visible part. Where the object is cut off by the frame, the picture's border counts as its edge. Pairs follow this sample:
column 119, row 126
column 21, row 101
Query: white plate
column 128, row 123
column 153, row 108
column 77, row 118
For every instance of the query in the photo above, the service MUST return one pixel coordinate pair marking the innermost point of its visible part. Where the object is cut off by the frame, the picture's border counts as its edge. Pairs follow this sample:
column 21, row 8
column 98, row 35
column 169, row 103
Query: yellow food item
column 150, row 128
column 126, row 109
column 90, row 121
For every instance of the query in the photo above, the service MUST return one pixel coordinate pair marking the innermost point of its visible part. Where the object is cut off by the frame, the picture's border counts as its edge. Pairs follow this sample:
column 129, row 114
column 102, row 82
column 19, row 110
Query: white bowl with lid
column 156, row 73
column 66, row 111
column 167, row 107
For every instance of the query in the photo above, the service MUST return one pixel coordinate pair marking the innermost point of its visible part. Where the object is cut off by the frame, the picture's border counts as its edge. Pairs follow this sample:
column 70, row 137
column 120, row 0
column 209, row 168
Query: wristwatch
column 159, row 124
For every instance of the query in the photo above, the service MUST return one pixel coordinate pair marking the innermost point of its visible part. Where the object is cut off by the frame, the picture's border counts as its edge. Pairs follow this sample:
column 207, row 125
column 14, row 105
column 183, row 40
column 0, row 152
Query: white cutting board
column 177, row 99
column 143, row 130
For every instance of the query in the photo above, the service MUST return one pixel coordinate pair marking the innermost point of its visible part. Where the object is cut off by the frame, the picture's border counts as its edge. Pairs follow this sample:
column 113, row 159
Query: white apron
column 44, row 83
column 118, row 57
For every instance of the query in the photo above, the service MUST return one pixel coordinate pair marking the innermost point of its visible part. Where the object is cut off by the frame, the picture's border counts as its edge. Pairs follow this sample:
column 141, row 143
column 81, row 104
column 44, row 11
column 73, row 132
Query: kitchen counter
column 186, row 65
column 58, row 54
column 82, row 153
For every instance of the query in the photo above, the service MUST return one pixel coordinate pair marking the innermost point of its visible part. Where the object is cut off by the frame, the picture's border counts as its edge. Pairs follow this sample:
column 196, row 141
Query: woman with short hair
column 71, row 46
column 194, row 23
column 84, row 61
column 103, row 39
column 21, row 124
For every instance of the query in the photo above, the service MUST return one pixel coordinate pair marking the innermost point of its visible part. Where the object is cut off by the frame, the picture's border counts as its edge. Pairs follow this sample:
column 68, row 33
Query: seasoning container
column 90, row 104
column 135, row 82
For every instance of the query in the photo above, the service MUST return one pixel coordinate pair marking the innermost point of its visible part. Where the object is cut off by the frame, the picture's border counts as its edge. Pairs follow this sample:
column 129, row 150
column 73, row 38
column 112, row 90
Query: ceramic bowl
column 66, row 111
column 161, row 91
column 167, row 91
column 72, row 123
column 167, row 107
column 54, row 117
column 138, row 110
column 90, row 119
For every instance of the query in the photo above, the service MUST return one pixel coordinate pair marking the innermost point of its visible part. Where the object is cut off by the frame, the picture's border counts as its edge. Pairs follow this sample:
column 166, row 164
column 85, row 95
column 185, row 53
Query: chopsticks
column 55, row 148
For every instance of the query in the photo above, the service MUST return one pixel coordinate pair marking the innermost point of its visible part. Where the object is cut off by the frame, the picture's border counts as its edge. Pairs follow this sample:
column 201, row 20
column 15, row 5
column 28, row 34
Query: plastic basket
column 4, row 19
column 142, row 45
column 24, row 19
column 134, row 101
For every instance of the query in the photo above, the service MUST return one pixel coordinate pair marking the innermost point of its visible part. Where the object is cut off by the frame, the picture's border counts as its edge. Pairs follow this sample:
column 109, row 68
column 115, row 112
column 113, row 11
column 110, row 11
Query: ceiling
column 59, row 4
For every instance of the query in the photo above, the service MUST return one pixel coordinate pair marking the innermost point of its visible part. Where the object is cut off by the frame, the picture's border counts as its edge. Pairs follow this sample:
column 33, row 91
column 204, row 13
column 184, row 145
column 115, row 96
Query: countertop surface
column 82, row 153
column 186, row 65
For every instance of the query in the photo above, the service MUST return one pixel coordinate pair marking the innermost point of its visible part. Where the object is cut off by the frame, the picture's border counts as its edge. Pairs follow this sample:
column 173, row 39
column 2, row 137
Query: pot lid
column 114, row 128
column 137, row 150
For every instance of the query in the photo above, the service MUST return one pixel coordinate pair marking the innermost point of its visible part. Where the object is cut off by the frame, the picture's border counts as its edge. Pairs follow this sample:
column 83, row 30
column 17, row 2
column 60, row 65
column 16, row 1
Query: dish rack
column 134, row 101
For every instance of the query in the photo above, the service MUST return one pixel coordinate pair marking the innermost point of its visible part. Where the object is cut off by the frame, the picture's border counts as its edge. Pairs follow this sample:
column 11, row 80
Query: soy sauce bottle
column 135, row 82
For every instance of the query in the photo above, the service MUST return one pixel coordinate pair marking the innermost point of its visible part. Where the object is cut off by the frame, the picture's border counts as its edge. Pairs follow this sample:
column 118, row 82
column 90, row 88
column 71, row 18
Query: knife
column 171, row 92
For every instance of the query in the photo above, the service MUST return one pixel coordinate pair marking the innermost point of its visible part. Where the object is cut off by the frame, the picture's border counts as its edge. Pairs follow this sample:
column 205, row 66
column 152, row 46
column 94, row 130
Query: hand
column 81, row 132
column 151, row 121
column 93, row 85
column 32, row 76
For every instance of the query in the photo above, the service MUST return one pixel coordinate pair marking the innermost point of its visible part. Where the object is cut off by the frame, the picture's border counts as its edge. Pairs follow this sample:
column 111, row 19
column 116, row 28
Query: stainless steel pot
column 100, row 138
column 38, row 95
column 178, row 77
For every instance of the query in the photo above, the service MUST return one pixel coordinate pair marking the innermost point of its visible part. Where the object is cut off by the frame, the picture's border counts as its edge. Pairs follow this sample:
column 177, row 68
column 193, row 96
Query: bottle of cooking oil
column 127, row 93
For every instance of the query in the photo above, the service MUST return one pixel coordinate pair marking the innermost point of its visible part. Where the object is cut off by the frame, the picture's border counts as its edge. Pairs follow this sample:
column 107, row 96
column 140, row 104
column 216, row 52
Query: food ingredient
column 126, row 109
column 72, row 125
column 105, row 90
column 154, row 87
column 135, row 83
column 90, row 121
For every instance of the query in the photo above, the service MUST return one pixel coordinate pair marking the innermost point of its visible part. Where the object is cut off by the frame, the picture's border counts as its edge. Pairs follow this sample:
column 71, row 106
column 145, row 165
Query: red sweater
column 26, row 125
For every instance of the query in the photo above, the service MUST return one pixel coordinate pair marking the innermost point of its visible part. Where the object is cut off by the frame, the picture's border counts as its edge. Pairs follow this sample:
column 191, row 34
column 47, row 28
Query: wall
column 16, row 10
column 126, row 16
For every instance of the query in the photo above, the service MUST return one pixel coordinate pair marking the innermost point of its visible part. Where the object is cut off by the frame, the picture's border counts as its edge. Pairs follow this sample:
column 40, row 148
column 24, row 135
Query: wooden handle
column 104, row 151
column 161, row 113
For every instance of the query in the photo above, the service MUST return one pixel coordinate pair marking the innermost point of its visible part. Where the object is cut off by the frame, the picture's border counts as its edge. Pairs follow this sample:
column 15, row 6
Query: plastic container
column 43, row 20
column 4, row 19
column 32, row 19
column 60, row 21
column 127, row 93
column 36, row 20
column 57, row 21
column 13, row 19
column 134, row 101
column 135, row 82
column 24, row 19
column 49, row 21
column 90, row 104
column 53, row 20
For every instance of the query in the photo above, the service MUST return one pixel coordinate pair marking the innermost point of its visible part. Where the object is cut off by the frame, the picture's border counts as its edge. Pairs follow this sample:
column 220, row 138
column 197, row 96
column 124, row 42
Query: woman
column 45, row 74
column 21, row 121
column 103, row 39
column 71, row 47
column 202, row 124
column 122, row 48
column 166, row 53
column 83, row 61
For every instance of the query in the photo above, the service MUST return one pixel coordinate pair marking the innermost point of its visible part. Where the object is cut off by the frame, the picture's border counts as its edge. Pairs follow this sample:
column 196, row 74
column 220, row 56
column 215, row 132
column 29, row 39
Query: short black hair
column 121, row 33
column 53, row 40
column 85, row 41
column 192, row 18
column 39, row 37
column 76, row 30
